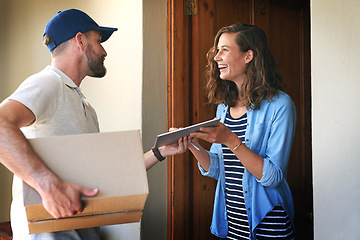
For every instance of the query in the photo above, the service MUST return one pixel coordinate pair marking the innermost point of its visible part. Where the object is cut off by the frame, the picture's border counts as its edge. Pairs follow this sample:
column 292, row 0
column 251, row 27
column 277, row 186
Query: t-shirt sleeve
column 40, row 93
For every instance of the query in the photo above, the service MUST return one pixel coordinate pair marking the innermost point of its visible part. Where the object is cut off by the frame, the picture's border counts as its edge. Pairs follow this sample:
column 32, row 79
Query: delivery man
column 50, row 103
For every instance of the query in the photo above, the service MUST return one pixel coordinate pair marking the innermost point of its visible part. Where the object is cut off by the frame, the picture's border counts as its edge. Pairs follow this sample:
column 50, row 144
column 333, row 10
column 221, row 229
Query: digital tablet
column 174, row 136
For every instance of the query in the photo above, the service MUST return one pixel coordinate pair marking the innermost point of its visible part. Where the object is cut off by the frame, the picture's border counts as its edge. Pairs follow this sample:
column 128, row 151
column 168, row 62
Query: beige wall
column 154, row 113
column 128, row 97
column 5, row 193
column 5, row 175
column 335, row 52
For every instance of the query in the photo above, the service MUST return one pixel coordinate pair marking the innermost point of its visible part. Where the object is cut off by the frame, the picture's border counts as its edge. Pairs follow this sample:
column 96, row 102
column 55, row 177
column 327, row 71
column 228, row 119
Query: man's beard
column 95, row 64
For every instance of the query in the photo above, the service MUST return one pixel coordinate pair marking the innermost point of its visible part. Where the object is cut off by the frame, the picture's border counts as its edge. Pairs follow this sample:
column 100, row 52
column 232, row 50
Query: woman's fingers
column 216, row 134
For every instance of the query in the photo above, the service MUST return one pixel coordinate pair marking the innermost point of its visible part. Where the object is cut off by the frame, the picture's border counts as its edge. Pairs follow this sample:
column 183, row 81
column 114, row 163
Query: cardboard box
column 112, row 162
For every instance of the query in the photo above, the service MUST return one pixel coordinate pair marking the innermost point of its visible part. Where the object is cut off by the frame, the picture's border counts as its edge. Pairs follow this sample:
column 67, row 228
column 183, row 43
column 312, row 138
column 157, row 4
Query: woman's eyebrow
column 224, row 45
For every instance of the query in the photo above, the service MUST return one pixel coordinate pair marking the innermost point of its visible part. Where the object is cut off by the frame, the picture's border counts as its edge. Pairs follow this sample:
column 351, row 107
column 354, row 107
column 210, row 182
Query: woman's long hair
column 262, row 80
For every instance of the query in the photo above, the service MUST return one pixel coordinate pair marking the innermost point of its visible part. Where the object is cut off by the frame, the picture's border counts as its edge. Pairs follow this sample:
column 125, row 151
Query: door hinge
column 189, row 7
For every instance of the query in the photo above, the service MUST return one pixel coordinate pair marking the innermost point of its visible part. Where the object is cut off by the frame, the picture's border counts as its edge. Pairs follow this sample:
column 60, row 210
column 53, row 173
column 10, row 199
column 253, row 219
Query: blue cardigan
column 270, row 132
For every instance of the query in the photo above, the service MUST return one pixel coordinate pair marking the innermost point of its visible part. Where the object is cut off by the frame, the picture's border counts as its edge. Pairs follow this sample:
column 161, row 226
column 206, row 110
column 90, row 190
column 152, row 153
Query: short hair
column 58, row 49
column 47, row 39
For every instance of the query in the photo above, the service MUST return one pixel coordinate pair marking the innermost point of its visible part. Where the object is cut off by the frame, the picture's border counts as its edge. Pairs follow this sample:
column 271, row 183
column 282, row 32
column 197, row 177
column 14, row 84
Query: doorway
column 192, row 25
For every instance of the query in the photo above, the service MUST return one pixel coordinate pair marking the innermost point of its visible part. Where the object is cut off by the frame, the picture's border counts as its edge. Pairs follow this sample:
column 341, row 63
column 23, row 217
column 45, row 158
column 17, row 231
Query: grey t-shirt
column 60, row 109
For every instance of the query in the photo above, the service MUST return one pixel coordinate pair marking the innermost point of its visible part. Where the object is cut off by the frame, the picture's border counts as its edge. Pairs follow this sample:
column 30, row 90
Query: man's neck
column 70, row 68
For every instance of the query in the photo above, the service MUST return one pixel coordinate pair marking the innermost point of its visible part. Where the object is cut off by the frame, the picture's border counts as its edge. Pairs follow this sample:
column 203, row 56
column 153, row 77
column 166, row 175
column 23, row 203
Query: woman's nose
column 217, row 57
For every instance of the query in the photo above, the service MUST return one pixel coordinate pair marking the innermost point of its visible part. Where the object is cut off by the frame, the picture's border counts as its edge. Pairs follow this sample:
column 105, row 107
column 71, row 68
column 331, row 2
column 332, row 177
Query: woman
column 252, row 144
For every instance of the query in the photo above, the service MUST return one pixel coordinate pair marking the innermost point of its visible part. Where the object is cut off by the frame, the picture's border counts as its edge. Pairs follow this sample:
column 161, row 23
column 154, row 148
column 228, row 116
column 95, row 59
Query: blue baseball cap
column 66, row 24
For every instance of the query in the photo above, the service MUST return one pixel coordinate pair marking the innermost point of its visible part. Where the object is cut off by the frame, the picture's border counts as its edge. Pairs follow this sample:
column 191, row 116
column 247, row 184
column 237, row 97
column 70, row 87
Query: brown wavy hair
column 262, row 79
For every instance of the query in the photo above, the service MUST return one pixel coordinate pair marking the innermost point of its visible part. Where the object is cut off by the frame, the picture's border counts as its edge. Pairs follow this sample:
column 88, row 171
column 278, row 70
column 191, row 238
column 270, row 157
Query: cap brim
column 106, row 32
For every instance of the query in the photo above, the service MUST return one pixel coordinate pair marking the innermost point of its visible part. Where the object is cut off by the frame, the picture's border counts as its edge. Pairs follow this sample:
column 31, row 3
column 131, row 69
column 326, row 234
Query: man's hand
column 169, row 150
column 177, row 148
column 60, row 199
column 63, row 199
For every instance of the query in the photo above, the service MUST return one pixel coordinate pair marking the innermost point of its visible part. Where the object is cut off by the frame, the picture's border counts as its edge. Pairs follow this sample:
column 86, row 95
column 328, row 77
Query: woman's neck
column 237, row 110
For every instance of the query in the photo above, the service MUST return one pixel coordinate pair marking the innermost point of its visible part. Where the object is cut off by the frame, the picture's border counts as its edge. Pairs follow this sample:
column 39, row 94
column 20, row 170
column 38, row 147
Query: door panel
column 286, row 25
column 231, row 11
column 288, row 43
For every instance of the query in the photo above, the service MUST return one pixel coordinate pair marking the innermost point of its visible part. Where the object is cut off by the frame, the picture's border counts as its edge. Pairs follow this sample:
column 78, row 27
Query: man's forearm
column 60, row 199
column 17, row 155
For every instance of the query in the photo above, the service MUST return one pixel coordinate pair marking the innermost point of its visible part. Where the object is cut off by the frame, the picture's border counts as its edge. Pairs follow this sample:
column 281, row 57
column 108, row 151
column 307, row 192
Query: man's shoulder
column 47, row 74
column 37, row 86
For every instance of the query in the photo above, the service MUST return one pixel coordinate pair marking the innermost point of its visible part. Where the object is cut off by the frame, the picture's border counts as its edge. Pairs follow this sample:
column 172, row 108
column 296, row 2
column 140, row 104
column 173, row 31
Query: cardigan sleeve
column 214, row 150
column 278, row 147
column 214, row 164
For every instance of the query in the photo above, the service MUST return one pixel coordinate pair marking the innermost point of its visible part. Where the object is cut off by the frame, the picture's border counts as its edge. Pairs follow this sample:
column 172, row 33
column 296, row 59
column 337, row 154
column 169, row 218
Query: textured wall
column 335, row 83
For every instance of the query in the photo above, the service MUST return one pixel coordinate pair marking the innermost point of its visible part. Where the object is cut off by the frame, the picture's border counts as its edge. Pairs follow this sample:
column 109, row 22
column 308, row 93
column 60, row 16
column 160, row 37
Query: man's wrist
column 157, row 154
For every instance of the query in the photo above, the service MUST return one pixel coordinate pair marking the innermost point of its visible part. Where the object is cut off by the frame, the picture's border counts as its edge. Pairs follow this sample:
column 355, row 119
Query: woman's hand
column 219, row 134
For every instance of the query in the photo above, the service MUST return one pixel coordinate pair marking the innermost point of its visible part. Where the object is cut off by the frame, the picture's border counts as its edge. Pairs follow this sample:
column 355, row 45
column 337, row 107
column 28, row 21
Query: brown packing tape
column 93, row 207
column 84, row 222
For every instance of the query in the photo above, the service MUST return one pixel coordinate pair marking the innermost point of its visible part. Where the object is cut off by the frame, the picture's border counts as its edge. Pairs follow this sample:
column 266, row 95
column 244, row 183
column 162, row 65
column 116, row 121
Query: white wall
column 117, row 97
column 335, row 50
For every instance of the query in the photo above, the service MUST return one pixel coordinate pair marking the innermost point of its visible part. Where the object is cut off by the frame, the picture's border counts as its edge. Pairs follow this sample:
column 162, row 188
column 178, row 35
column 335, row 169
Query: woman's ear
column 249, row 56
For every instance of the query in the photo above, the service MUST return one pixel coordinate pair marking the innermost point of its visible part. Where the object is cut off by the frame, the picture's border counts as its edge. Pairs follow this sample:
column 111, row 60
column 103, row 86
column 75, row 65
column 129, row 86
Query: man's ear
column 249, row 56
column 80, row 40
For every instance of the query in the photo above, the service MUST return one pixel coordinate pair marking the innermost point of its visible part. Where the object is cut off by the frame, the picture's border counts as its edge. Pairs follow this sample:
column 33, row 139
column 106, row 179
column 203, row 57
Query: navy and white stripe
column 234, row 170
column 276, row 224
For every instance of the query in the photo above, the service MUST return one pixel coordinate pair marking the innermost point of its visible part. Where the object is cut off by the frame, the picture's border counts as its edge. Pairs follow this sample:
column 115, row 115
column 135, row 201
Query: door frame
column 177, row 203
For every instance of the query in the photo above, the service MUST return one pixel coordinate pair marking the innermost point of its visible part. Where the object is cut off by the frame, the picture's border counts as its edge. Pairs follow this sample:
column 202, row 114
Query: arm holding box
column 60, row 199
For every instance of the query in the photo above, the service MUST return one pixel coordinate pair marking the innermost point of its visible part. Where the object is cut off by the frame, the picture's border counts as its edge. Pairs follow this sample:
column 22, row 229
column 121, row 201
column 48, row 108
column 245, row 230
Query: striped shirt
column 234, row 170
column 276, row 224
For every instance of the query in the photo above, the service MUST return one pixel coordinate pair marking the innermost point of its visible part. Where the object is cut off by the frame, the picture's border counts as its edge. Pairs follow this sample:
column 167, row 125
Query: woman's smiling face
column 230, row 60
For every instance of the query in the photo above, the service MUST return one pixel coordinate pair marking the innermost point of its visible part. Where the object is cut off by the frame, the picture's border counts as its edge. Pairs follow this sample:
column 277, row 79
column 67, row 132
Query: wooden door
column 191, row 33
